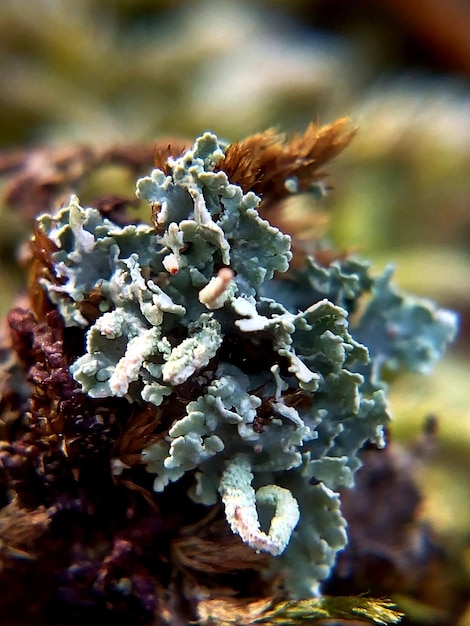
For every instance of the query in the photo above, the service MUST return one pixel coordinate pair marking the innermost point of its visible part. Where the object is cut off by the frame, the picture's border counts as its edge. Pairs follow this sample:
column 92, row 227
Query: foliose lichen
column 278, row 389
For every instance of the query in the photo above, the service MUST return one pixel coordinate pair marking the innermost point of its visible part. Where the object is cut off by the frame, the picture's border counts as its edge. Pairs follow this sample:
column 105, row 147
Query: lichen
column 241, row 501
column 270, row 387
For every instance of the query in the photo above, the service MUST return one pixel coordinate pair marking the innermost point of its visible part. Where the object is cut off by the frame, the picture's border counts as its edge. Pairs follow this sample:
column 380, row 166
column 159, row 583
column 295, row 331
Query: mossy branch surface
column 230, row 613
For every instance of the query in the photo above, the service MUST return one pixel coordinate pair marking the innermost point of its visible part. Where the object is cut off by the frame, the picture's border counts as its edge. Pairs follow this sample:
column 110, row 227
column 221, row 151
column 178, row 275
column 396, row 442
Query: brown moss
column 19, row 533
column 262, row 163
column 137, row 435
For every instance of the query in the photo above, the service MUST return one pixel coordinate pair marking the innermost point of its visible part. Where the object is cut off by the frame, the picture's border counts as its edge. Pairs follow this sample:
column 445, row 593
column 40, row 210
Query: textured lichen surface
column 276, row 388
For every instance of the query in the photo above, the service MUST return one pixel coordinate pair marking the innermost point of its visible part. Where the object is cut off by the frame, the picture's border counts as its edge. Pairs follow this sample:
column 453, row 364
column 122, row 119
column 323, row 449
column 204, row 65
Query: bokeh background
column 104, row 73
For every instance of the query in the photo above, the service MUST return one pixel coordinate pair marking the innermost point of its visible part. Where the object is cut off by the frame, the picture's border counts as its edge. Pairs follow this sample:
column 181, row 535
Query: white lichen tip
column 193, row 353
column 128, row 367
column 240, row 500
column 171, row 263
column 216, row 292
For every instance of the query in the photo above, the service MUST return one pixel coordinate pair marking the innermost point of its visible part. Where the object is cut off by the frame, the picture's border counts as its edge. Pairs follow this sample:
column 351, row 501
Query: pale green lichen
column 280, row 391
column 89, row 250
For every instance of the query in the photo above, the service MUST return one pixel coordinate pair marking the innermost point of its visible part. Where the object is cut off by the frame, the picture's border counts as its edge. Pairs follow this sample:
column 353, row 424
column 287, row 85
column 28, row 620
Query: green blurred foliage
column 103, row 72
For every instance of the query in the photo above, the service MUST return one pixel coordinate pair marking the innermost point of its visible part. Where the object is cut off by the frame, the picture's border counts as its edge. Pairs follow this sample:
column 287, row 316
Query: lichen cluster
column 183, row 401
column 281, row 389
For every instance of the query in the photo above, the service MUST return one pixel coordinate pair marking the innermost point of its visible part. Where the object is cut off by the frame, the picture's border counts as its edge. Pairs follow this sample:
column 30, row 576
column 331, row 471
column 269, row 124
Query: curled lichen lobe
column 240, row 500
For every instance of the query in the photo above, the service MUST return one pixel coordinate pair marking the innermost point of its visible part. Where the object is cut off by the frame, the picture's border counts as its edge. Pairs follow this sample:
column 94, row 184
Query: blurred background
column 100, row 74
